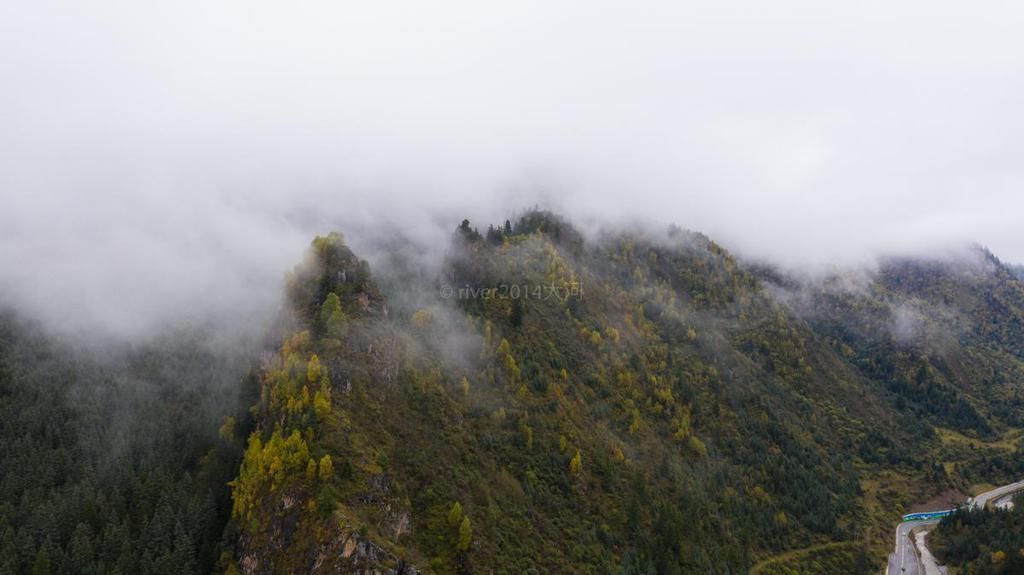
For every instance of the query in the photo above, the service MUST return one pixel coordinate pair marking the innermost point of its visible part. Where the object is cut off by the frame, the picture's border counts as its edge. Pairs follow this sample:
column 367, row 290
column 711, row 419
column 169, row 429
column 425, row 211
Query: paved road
column 904, row 561
column 997, row 493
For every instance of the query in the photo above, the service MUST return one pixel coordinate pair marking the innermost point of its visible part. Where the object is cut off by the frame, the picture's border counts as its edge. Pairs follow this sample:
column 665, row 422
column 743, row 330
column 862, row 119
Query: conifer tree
column 333, row 322
column 41, row 566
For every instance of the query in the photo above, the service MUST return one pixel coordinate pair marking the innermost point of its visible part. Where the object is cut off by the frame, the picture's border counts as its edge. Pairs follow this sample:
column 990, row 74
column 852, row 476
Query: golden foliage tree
column 455, row 514
column 326, row 468
column 465, row 534
column 576, row 463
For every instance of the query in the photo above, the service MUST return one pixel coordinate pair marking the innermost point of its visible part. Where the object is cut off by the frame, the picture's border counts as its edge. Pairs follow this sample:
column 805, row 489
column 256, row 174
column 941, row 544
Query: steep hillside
column 942, row 341
column 635, row 403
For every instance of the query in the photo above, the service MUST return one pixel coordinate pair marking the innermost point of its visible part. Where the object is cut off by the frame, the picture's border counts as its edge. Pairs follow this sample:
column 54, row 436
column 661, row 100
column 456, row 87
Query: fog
column 169, row 162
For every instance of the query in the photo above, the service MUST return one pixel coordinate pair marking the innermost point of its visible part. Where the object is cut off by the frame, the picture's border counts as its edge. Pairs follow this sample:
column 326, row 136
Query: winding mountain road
column 905, row 561
column 998, row 493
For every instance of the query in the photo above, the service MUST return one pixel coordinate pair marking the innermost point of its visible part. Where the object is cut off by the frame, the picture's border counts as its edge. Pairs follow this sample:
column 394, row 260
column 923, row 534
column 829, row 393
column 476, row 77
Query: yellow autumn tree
column 465, row 534
column 455, row 514
column 227, row 430
column 326, row 468
column 576, row 463
column 422, row 318
column 313, row 369
column 322, row 402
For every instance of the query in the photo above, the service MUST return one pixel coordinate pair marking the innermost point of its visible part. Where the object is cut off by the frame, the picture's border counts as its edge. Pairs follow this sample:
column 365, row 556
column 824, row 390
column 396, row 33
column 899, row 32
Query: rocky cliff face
column 347, row 553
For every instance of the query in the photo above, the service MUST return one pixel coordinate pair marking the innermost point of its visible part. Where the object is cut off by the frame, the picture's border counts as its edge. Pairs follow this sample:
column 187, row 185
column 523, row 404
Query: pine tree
column 41, row 566
column 82, row 552
column 8, row 552
column 184, row 550
column 333, row 322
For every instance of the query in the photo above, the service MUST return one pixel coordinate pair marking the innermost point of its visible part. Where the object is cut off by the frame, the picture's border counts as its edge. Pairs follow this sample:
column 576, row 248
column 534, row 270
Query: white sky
column 158, row 154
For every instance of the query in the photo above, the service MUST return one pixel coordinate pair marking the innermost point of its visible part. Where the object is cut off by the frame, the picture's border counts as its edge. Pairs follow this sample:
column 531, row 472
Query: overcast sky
column 157, row 155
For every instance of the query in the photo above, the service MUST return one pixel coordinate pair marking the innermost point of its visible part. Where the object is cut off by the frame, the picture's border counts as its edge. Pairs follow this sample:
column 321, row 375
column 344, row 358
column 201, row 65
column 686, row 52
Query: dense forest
column 982, row 542
column 111, row 458
column 543, row 401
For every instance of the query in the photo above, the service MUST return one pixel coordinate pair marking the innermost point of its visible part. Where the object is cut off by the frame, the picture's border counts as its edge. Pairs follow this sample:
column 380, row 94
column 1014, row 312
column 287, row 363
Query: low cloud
column 160, row 163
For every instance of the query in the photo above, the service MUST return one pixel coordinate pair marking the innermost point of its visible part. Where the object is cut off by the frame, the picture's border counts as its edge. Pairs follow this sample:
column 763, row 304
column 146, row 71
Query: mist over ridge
column 165, row 163
column 539, row 287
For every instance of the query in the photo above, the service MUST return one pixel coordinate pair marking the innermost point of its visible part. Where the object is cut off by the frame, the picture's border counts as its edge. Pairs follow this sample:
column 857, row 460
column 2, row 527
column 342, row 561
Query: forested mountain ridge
column 543, row 402
column 633, row 403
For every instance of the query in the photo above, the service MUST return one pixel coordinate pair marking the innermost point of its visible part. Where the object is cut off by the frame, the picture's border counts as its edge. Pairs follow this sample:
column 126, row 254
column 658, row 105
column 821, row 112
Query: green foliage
column 983, row 541
column 322, row 401
column 112, row 461
column 576, row 463
column 41, row 565
column 326, row 468
column 696, row 446
column 268, row 467
column 732, row 418
column 333, row 321
column 455, row 514
column 465, row 535
column 313, row 369
column 527, row 434
column 227, row 429
column 824, row 559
